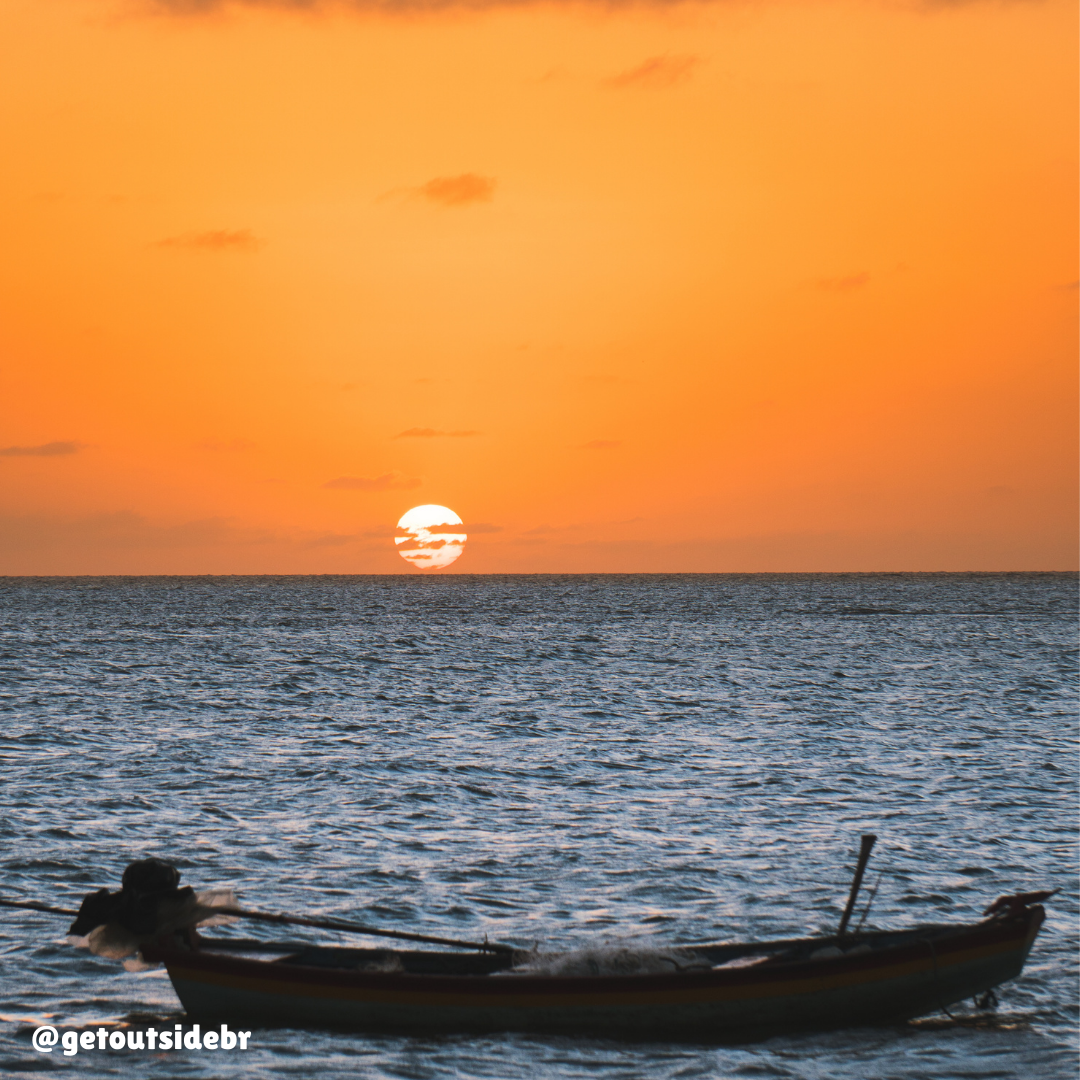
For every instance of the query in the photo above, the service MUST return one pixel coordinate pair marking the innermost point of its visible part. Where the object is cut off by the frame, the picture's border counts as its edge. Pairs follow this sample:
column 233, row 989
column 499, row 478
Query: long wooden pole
column 33, row 905
column 300, row 920
column 360, row 928
column 864, row 857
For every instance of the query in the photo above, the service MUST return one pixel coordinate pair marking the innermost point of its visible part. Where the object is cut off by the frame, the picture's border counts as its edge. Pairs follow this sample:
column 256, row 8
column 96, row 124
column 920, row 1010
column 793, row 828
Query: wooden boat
column 713, row 992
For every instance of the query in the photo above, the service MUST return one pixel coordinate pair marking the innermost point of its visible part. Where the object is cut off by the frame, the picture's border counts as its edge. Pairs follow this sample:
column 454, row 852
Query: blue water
column 562, row 760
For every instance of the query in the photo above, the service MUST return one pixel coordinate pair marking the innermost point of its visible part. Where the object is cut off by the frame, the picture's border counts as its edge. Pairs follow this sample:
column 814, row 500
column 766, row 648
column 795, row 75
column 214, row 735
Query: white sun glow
column 427, row 538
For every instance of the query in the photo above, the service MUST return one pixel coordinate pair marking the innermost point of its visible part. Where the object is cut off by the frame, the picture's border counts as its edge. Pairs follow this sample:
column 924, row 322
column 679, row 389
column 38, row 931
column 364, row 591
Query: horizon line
column 564, row 573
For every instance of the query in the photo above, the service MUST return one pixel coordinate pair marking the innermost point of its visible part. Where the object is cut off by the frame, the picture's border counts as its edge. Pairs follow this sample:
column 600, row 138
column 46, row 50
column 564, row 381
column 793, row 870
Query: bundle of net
column 149, row 904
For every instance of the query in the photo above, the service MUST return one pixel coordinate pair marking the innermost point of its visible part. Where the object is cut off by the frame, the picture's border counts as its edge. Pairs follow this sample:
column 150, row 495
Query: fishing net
column 150, row 903
column 609, row 960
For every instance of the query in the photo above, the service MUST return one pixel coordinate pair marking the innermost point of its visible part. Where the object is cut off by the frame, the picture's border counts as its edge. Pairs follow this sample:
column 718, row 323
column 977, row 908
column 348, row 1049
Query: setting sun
column 427, row 539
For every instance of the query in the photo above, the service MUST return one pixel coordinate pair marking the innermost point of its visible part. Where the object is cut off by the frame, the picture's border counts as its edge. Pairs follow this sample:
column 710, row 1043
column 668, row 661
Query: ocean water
column 569, row 760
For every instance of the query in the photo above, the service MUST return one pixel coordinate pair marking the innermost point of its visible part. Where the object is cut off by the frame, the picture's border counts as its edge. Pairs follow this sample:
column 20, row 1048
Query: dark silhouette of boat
column 711, row 992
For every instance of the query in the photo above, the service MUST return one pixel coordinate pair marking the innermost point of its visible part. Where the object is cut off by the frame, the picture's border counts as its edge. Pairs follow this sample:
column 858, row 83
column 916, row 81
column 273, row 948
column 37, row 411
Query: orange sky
column 716, row 287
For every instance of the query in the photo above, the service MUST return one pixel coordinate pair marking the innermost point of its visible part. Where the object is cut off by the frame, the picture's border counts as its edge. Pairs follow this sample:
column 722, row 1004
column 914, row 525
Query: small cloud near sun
column 49, row 449
column 432, row 433
column 846, row 283
column 386, row 482
column 544, row 530
column 656, row 73
column 214, row 240
column 458, row 190
column 477, row 528
column 601, row 444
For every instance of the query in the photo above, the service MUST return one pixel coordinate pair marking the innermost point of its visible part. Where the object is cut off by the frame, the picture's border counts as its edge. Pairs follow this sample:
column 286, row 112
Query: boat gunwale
column 940, row 945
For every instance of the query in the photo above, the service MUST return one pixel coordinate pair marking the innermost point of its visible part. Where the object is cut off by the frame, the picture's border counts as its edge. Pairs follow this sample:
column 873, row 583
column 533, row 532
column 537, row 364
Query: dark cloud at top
column 408, row 7
column 50, row 449
column 198, row 7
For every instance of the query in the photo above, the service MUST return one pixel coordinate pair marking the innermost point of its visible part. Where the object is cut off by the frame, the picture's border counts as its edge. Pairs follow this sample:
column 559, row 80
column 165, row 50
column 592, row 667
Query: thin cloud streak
column 458, row 190
column 214, row 240
column 124, row 530
column 52, row 449
column 234, row 446
column 441, row 528
column 386, row 482
column 656, row 73
column 846, row 283
column 433, row 433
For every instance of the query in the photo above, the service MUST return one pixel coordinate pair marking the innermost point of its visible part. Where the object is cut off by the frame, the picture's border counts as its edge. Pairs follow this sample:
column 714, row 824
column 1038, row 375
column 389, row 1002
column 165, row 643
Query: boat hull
column 917, row 976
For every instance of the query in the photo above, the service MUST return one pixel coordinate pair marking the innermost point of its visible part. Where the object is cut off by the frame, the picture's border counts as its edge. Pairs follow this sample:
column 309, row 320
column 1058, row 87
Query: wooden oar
column 299, row 920
column 864, row 858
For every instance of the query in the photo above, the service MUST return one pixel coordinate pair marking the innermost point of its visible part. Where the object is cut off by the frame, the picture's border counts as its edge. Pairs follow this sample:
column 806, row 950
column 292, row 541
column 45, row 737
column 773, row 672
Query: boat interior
column 682, row 958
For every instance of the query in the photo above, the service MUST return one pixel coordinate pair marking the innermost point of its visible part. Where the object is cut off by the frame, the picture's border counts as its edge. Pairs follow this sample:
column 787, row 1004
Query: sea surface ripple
column 553, row 759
